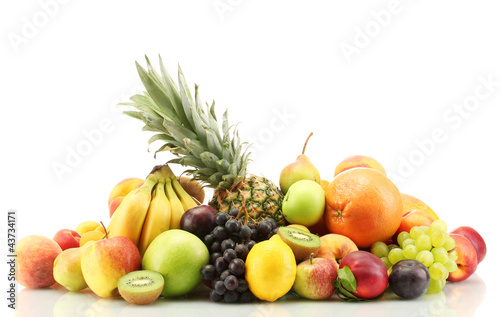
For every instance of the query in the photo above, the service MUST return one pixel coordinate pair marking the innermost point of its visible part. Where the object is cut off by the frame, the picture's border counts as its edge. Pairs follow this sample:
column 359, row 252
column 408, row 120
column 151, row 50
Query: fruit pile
column 353, row 236
column 229, row 243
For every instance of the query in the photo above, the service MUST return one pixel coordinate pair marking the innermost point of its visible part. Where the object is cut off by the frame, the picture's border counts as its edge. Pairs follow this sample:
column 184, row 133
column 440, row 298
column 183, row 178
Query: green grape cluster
column 431, row 245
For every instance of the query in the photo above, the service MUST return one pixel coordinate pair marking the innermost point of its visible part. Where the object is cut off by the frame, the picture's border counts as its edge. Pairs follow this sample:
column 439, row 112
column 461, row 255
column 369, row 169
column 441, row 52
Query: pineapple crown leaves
column 192, row 134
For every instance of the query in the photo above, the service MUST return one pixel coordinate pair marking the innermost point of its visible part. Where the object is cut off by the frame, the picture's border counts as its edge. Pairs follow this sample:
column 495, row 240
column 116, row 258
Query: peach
column 466, row 261
column 410, row 203
column 94, row 235
column 475, row 238
column 35, row 261
column 359, row 161
column 411, row 219
column 86, row 226
column 67, row 239
column 335, row 247
column 319, row 228
column 298, row 226
column 120, row 191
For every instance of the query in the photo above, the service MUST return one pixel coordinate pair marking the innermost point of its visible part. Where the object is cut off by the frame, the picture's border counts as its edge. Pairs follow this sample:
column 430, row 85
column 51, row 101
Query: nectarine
column 35, row 261
column 67, row 238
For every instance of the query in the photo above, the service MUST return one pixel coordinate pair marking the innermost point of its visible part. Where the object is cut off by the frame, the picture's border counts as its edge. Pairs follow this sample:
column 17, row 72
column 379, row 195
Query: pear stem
column 305, row 144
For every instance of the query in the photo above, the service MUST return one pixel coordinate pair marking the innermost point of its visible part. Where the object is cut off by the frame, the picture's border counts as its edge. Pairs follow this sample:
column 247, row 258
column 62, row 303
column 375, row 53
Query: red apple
column 334, row 247
column 411, row 219
column 466, row 261
column 67, row 238
column 369, row 271
column 314, row 278
column 475, row 238
column 106, row 260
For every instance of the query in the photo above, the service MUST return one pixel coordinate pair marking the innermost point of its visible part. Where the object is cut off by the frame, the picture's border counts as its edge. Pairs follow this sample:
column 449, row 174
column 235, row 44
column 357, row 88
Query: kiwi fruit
column 302, row 243
column 141, row 287
column 193, row 188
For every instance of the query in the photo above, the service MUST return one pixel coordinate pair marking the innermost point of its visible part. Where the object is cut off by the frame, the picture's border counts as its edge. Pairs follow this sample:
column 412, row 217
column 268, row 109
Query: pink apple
column 466, row 261
column 314, row 278
column 334, row 247
column 476, row 240
column 67, row 238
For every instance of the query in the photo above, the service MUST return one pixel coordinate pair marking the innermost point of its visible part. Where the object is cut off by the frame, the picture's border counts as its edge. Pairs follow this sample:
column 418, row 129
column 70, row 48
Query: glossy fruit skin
column 199, row 220
column 475, row 238
column 179, row 256
column 270, row 269
column 359, row 161
column 364, row 205
column 370, row 273
column 304, row 203
column 410, row 203
column 409, row 279
column 466, row 261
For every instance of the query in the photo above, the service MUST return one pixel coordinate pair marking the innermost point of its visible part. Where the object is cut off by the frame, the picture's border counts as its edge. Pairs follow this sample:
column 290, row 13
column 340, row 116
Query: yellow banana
column 175, row 204
column 129, row 217
column 158, row 217
column 186, row 199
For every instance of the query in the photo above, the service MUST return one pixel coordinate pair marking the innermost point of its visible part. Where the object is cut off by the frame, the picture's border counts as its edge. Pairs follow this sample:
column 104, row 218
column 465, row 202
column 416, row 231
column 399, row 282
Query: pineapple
column 217, row 159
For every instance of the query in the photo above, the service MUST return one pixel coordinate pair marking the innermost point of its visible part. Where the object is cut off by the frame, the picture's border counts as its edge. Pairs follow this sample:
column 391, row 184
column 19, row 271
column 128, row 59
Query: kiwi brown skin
column 193, row 188
column 302, row 243
column 141, row 287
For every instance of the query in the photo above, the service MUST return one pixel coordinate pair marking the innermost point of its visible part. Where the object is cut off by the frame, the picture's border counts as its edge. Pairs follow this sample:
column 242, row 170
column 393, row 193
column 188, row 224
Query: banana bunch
column 156, row 206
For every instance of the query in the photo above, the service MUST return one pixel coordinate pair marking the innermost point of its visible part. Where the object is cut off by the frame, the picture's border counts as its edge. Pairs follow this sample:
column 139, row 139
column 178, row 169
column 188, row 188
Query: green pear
column 301, row 169
column 68, row 268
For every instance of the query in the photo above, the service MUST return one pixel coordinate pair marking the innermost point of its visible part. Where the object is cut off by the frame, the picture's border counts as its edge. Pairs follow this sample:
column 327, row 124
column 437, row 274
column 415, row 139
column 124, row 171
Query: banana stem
column 162, row 171
column 150, row 182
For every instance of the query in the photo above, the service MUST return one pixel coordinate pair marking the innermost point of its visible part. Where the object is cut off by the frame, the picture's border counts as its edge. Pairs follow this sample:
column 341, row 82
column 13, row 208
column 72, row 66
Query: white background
column 282, row 70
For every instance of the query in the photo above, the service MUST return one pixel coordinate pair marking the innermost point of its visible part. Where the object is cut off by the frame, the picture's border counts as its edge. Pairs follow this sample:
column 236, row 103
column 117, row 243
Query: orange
column 363, row 205
column 324, row 184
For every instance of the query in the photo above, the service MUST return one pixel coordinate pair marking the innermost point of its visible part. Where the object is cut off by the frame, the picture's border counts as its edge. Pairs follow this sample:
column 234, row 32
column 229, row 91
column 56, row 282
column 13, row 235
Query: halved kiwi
column 302, row 243
column 141, row 287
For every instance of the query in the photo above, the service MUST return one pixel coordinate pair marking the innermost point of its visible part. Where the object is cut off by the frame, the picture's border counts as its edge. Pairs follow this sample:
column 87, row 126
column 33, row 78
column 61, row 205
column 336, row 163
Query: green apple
column 304, row 203
column 178, row 255
column 106, row 260
column 68, row 268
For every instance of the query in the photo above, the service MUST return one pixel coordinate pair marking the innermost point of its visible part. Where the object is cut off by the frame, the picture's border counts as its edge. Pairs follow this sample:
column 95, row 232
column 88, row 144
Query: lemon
column 270, row 269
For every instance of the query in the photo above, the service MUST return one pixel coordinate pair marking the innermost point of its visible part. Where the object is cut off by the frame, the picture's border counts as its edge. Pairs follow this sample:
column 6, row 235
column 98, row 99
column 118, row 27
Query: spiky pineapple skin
column 260, row 197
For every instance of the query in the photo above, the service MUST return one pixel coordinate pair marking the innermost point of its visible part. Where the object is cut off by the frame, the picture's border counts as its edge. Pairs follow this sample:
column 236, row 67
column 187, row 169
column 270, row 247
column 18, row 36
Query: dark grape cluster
column 228, row 244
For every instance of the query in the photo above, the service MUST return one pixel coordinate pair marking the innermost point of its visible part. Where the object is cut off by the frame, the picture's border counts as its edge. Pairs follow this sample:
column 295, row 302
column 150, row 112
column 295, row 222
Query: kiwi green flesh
column 141, row 287
column 302, row 243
